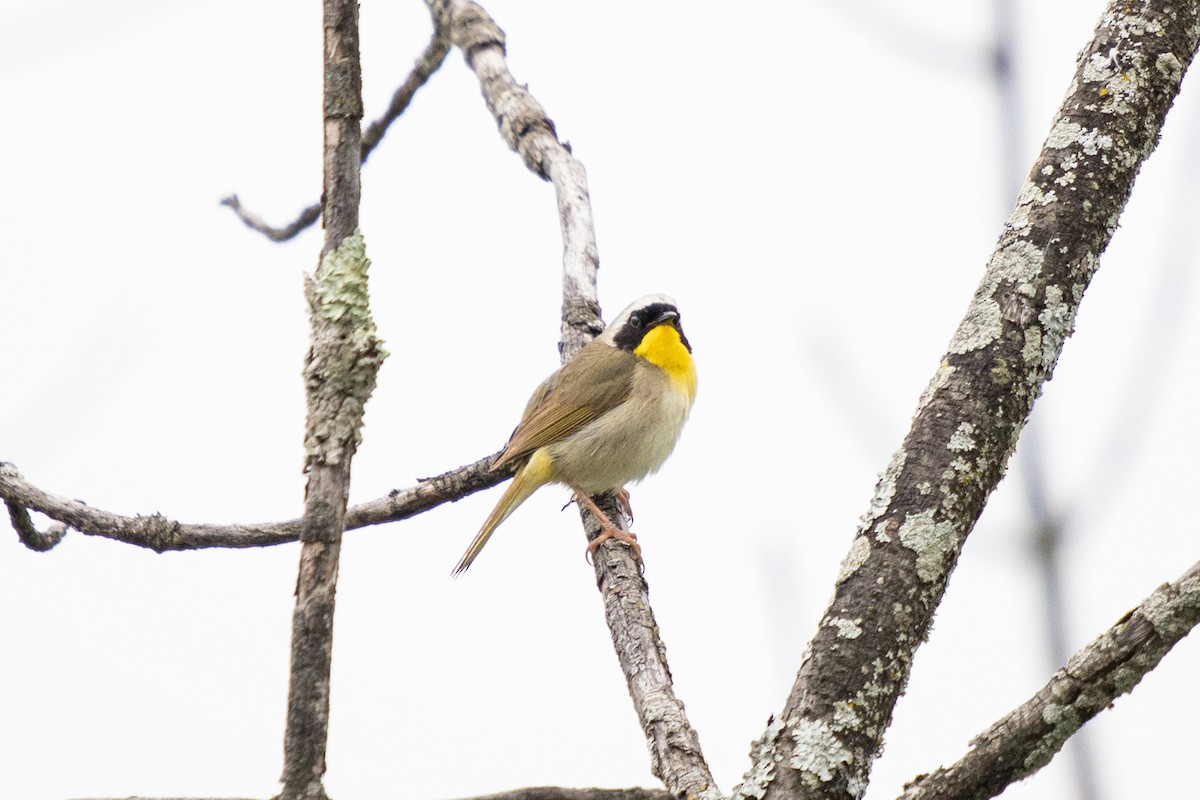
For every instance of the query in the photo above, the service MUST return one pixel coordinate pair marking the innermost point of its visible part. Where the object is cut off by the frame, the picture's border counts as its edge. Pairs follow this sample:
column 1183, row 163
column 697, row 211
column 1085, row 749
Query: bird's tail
column 532, row 476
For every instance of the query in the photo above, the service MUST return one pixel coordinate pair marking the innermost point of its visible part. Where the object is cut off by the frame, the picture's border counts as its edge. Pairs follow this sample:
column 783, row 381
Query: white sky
column 818, row 186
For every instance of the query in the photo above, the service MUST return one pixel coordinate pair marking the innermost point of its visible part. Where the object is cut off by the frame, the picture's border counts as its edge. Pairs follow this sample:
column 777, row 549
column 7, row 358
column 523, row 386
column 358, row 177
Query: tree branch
column 429, row 62
column 339, row 377
column 154, row 531
column 968, row 420
column 527, row 129
column 281, row 234
column 676, row 757
column 675, row 754
column 1025, row 740
column 161, row 534
column 532, row 793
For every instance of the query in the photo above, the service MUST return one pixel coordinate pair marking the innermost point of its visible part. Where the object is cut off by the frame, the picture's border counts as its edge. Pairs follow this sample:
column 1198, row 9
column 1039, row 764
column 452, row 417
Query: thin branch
column 968, row 420
column 161, row 534
column 676, row 757
column 256, row 223
column 429, row 62
column 1025, row 740
column 449, row 487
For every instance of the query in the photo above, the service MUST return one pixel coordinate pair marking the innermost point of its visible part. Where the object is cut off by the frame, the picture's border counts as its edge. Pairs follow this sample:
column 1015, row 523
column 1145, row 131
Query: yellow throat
column 662, row 346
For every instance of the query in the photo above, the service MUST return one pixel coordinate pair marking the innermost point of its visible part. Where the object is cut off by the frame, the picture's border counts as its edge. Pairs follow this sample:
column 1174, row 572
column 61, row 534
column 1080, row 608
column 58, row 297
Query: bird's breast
column 630, row 441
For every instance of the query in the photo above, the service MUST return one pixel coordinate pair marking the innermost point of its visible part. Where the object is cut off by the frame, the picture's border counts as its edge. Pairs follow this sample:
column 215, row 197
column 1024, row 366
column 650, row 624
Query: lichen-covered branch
column 429, row 62
column 1026, row 739
column 161, row 534
column 968, row 419
column 339, row 377
column 676, row 757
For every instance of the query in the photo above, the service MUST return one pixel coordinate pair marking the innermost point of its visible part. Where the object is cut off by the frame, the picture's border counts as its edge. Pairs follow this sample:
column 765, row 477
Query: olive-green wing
column 598, row 379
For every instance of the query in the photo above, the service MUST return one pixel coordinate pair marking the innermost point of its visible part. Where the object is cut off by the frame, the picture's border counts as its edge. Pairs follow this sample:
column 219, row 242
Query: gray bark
column 968, row 420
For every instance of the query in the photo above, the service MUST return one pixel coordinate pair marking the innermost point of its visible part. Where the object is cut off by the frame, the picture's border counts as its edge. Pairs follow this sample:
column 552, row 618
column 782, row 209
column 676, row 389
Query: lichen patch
column 885, row 490
column 940, row 379
column 762, row 758
column 930, row 540
column 1169, row 67
column 963, row 439
column 979, row 328
column 818, row 753
column 860, row 551
column 1058, row 320
column 847, row 628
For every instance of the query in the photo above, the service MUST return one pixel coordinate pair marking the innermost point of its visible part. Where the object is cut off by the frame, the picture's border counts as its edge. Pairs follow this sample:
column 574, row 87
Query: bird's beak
column 666, row 316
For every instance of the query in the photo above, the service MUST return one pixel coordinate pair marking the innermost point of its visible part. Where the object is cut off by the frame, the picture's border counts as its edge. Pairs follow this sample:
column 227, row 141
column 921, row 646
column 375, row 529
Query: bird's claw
column 627, row 537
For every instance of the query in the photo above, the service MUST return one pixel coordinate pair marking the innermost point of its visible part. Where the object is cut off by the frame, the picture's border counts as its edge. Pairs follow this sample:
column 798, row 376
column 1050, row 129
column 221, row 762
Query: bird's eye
column 635, row 321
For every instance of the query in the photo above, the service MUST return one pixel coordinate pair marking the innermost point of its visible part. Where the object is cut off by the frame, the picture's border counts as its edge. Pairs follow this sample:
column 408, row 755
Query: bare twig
column 254, row 222
column 676, row 757
column 339, row 376
column 427, row 64
column 1026, row 739
column 422, row 71
column 968, row 420
column 429, row 493
column 161, row 534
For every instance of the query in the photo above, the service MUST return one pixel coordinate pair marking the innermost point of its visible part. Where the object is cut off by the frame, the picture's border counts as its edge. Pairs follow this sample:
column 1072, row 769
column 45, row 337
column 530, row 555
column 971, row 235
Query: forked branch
column 161, row 534
column 969, row 418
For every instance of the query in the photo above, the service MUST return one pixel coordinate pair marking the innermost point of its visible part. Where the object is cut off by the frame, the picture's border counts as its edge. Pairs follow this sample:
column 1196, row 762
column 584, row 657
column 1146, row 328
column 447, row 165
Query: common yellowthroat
column 610, row 415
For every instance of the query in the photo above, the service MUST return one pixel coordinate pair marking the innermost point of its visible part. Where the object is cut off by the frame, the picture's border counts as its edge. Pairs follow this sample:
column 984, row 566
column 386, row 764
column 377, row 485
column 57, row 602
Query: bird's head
column 651, row 329
column 632, row 326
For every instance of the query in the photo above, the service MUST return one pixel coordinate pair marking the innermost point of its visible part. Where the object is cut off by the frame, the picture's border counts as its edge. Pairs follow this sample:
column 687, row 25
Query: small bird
column 610, row 415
